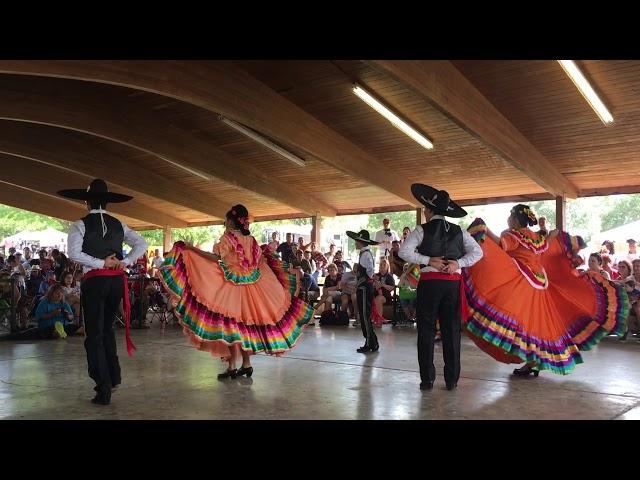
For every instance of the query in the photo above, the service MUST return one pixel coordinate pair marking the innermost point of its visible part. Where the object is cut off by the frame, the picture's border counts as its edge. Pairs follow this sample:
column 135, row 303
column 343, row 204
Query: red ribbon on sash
column 464, row 308
column 105, row 272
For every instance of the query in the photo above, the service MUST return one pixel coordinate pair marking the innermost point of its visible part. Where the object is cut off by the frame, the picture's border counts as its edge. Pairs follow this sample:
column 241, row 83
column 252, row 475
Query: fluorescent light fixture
column 392, row 117
column 190, row 170
column 586, row 90
column 264, row 141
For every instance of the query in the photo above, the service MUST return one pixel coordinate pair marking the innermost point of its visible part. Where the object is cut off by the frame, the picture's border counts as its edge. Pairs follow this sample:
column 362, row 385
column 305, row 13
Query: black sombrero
column 362, row 236
column 97, row 191
column 437, row 200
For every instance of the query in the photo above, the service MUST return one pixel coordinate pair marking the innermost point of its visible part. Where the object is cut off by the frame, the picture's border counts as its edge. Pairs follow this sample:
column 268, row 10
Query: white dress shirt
column 76, row 238
column 384, row 240
column 366, row 261
column 473, row 252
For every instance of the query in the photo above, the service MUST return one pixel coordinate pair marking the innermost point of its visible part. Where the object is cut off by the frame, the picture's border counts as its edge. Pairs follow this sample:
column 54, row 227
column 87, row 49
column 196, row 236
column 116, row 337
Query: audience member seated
column 607, row 266
column 384, row 285
column 274, row 243
column 330, row 291
column 542, row 224
column 348, row 284
column 595, row 265
column 60, row 263
column 156, row 262
column 307, row 260
column 330, row 254
column 71, row 294
column 321, row 261
column 286, row 249
column 45, row 263
column 34, row 283
column 633, row 254
column 408, row 296
column 405, row 233
column 15, row 262
column 397, row 264
column 301, row 244
column 54, row 316
column 27, row 256
column 24, row 302
column 342, row 265
column 632, row 286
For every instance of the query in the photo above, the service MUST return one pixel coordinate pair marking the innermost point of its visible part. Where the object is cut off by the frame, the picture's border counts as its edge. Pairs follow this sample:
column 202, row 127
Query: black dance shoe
column 248, row 371
column 228, row 374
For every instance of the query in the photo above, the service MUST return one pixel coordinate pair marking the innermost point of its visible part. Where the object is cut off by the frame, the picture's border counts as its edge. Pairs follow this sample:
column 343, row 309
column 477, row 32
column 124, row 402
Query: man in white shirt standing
column 385, row 238
column 96, row 243
column 441, row 249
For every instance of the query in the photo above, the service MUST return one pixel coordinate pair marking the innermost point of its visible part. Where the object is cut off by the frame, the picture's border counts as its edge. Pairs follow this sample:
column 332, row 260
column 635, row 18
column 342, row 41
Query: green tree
column 623, row 209
column 153, row 237
column 14, row 220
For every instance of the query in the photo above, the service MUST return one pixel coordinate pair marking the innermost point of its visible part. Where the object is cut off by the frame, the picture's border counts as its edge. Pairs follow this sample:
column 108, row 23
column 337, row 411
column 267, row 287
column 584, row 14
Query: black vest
column 362, row 273
column 437, row 242
column 95, row 244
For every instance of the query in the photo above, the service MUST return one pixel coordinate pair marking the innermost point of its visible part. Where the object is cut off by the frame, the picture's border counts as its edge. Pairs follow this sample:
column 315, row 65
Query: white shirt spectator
column 157, row 261
column 384, row 239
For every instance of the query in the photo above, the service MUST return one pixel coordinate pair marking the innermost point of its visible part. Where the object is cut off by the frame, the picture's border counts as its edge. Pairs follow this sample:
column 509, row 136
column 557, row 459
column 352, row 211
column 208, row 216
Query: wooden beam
column 450, row 92
column 596, row 192
column 225, row 88
column 316, row 222
column 91, row 110
column 44, row 204
column 167, row 239
column 80, row 154
column 45, row 179
column 420, row 216
column 535, row 197
column 561, row 209
column 365, row 211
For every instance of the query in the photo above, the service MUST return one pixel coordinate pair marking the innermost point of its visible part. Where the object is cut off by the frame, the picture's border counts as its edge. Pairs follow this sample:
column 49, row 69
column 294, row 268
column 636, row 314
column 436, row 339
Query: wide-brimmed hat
column 362, row 236
column 97, row 191
column 437, row 200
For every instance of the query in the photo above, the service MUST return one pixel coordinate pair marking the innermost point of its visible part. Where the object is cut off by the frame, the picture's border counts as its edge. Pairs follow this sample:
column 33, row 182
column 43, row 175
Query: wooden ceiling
column 502, row 130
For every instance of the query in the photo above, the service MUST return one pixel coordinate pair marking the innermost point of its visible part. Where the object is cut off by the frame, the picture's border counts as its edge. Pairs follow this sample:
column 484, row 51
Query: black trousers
column 100, row 301
column 439, row 299
column 364, row 296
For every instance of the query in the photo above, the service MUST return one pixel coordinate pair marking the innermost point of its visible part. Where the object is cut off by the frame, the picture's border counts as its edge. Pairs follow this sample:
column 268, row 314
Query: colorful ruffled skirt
column 218, row 309
column 515, row 320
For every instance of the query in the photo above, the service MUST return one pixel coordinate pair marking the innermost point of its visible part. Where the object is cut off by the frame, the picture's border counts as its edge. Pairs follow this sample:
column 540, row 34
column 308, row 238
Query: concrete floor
column 322, row 378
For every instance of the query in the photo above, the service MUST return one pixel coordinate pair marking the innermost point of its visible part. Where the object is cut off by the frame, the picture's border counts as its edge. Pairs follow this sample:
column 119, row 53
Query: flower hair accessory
column 527, row 211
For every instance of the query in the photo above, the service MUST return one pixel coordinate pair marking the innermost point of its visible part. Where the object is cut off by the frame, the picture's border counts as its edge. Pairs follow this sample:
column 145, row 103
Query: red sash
column 464, row 309
column 105, row 272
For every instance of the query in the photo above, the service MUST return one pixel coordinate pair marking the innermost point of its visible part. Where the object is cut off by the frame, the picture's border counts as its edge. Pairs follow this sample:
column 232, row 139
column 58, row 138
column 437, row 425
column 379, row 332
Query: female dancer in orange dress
column 237, row 301
column 527, row 303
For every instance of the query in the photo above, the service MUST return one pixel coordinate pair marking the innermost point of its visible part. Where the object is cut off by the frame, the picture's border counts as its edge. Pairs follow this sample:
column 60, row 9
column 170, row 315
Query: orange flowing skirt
column 258, row 310
column 515, row 322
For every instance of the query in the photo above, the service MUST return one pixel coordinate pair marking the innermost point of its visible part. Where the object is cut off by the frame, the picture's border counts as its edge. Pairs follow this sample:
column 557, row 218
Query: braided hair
column 239, row 216
column 525, row 215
